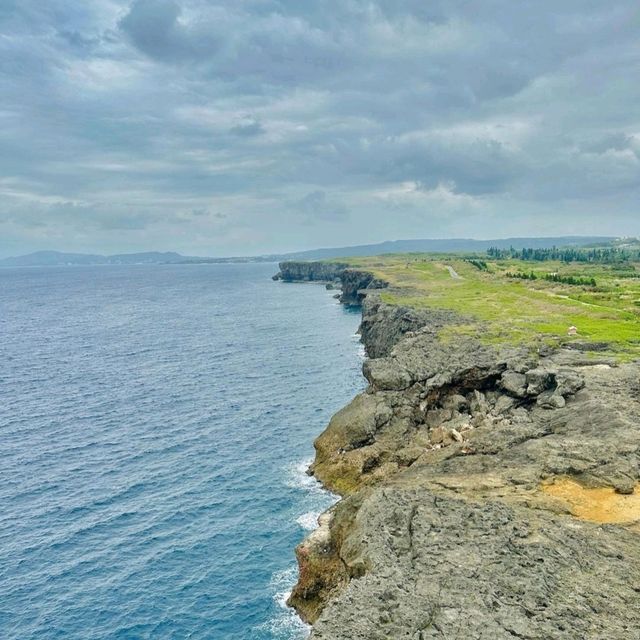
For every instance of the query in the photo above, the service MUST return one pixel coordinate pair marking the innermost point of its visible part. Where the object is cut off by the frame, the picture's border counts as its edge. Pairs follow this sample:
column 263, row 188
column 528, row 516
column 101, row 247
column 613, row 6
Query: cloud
column 248, row 128
column 237, row 127
column 154, row 27
column 317, row 207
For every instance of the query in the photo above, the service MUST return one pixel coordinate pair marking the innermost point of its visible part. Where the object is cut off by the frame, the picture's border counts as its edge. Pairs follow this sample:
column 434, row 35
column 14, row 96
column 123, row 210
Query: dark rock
column 569, row 382
column 355, row 285
column 297, row 271
column 550, row 400
column 514, row 384
column 384, row 374
column 539, row 380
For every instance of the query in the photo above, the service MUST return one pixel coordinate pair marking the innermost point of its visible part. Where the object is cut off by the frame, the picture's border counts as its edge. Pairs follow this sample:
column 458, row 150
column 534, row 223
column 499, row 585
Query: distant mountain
column 452, row 245
column 56, row 258
column 149, row 257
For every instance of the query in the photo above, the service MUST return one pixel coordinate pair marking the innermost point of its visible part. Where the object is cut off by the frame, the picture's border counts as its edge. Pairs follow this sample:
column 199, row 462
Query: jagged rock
column 436, row 417
column 355, row 285
column 440, row 435
column 569, row 382
column 407, row 456
column 455, row 402
column 384, row 373
column 478, row 402
column 439, row 380
column 539, row 380
column 460, row 422
column 550, row 400
column 383, row 326
column 514, row 383
column 503, row 405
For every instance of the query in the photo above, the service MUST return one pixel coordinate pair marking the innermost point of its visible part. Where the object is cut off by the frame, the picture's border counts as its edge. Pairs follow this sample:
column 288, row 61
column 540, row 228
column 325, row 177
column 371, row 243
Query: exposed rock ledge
column 488, row 494
column 353, row 282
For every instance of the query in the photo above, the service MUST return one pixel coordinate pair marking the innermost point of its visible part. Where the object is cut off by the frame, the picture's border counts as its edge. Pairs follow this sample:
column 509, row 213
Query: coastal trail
column 454, row 274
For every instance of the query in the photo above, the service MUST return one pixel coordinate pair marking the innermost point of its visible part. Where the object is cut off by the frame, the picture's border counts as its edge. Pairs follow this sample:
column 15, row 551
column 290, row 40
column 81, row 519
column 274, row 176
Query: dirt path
column 453, row 272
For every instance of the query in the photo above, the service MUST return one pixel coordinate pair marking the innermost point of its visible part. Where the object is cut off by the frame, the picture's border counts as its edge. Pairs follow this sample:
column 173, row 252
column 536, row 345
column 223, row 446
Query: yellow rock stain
column 601, row 504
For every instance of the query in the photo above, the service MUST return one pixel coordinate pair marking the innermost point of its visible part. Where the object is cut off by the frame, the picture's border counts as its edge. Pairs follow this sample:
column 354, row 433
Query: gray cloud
column 248, row 129
column 316, row 206
column 137, row 122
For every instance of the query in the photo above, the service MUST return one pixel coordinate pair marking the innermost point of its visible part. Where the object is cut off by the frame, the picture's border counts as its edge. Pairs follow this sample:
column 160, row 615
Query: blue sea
column 155, row 426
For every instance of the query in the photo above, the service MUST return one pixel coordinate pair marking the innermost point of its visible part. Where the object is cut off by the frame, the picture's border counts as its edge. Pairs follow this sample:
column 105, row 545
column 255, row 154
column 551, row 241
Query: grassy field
column 521, row 310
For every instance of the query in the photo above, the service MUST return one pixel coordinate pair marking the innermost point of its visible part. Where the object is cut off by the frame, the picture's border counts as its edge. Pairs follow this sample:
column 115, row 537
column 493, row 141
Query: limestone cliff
column 489, row 492
column 299, row 271
column 353, row 282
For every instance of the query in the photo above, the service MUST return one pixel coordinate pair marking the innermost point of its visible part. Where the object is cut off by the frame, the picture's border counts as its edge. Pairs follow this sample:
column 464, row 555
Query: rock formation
column 299, row 271
column 489, row 492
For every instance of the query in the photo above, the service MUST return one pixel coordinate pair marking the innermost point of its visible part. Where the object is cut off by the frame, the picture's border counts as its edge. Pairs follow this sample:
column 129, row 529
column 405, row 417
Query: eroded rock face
column 300, row 271
column 383, row 325
column 446, row 532
column 442, row 566
column 356, row 283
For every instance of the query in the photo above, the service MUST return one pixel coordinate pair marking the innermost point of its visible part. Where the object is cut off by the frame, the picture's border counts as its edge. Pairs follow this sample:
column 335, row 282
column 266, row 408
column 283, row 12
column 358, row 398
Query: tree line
column 554, row 277
column 606, row 255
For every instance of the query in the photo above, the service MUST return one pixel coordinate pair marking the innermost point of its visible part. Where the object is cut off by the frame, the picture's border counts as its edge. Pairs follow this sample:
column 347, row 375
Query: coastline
column 464, row 472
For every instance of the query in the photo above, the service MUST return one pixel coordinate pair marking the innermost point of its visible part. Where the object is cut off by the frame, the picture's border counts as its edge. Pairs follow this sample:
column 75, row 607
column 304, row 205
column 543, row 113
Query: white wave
column 309, row 521
column 318, row 498
column 297, row 476
column 285, row 624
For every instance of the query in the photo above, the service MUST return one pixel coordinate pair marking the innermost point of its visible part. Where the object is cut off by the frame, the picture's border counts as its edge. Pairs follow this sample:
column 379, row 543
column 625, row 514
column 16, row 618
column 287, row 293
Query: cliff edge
column 489, row 490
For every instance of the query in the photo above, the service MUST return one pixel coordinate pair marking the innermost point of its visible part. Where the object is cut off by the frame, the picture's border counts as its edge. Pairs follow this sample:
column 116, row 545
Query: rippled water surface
column 154, row 427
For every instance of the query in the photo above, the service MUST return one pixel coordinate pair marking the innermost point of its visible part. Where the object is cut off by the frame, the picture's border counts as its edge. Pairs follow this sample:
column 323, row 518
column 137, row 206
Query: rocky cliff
column 356, row 284
column 489, row 492
column 353, row 282
column 298, row 271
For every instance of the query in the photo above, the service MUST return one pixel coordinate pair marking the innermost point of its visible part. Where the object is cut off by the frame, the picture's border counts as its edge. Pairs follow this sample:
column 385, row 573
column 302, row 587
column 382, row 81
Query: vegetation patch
column 523, row 300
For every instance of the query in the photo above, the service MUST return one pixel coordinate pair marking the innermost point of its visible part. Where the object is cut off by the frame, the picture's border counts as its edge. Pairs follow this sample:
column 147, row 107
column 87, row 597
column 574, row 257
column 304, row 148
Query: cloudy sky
column 251, row 126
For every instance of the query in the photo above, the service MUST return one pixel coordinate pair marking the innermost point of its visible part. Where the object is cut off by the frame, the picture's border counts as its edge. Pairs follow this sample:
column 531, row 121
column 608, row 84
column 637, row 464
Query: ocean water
column 155, row 425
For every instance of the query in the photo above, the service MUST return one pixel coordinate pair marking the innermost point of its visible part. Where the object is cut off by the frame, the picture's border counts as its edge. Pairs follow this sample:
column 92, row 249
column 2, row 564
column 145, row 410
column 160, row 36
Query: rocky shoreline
column 488, row 492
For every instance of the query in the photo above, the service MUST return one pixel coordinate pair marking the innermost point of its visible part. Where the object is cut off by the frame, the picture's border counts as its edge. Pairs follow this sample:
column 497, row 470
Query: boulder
column 569, row 382
column 550, row 400
column 539, row 380
column 514, row 384
column 385, row 374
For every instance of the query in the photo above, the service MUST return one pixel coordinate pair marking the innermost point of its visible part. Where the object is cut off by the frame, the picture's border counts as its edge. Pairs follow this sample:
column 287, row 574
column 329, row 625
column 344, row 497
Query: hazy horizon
column 318, row 248
column 265, row 127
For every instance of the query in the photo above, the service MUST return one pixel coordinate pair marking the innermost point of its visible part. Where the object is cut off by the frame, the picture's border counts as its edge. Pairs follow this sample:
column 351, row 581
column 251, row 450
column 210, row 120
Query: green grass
column 519, row 311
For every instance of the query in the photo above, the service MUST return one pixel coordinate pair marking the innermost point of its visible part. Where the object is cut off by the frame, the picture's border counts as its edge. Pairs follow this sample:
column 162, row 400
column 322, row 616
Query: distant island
column 447, row 245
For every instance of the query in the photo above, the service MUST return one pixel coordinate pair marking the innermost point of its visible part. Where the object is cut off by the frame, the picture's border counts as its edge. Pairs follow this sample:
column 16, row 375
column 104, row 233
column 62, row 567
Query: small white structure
column 573, row 331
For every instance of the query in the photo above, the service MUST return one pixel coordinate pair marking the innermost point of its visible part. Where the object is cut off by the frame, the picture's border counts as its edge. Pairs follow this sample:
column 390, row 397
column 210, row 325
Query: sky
column 260, row 126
